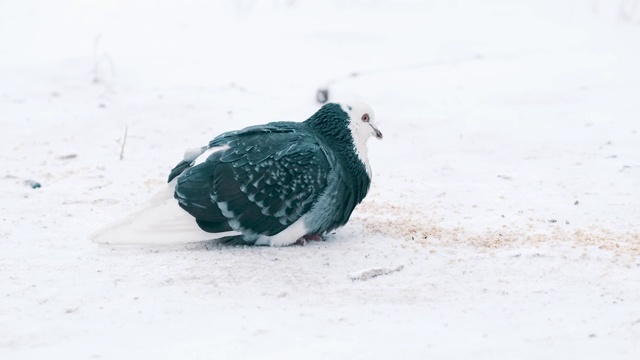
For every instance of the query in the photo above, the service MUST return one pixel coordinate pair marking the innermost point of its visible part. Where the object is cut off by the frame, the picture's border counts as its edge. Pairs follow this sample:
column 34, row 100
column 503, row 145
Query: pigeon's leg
column 311, row 237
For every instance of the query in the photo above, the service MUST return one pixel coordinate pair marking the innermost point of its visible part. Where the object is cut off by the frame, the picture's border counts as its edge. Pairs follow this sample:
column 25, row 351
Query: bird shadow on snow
column 329, row 240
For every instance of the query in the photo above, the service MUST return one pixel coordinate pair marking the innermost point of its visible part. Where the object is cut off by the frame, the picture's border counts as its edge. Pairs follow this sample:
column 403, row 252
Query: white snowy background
column 506, row 191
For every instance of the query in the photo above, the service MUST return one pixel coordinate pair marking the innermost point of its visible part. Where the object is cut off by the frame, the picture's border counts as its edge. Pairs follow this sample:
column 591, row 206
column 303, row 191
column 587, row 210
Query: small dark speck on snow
column 33, row 184
column 68, row 157
column 322, row 95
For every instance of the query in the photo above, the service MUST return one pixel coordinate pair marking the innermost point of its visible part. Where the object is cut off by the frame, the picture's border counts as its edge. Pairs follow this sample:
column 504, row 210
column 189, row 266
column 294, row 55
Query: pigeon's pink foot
column 311, row 237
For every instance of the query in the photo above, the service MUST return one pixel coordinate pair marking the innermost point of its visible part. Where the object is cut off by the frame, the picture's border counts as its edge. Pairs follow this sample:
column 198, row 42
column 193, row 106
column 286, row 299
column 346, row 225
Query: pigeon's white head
column 362, row 123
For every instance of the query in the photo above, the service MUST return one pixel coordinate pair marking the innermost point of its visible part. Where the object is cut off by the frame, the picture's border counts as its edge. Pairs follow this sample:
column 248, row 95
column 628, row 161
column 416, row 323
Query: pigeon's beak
column 377, row 132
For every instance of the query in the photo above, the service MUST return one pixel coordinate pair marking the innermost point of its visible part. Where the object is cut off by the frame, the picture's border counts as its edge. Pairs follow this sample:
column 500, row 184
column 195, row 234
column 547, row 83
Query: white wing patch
column 287, row 236
column 205, row 155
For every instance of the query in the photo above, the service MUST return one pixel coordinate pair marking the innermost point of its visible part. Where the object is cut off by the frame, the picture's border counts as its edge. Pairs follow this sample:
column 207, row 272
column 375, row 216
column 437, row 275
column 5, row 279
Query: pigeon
column 275, row 184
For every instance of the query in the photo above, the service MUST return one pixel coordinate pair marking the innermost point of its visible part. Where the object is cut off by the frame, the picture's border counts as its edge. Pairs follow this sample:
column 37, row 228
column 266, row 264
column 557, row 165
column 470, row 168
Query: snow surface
column 506, row 190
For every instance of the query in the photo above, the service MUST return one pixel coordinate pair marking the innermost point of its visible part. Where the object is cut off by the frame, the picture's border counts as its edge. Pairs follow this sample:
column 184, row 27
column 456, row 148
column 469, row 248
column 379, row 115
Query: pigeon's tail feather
column 161, row 221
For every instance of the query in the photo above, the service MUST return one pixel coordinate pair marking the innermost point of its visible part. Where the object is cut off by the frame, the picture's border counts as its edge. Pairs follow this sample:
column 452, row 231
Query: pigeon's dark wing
column 269, row 177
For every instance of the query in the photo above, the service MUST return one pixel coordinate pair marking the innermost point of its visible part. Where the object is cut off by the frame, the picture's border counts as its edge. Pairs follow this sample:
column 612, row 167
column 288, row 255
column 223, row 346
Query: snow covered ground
column 506, row 192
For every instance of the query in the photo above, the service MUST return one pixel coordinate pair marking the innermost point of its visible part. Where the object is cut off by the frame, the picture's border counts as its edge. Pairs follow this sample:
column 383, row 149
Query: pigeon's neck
column 332, row 126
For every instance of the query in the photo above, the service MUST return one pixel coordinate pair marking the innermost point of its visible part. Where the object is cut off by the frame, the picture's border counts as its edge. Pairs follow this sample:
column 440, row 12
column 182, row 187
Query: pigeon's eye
column 365, row 118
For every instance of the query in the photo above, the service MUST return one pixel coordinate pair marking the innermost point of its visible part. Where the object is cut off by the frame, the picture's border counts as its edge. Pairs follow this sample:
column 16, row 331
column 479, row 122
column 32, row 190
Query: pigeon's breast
column 328, row 213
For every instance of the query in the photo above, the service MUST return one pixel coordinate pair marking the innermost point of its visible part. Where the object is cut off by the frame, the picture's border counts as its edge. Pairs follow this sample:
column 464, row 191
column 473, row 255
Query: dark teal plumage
column 272, row 175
